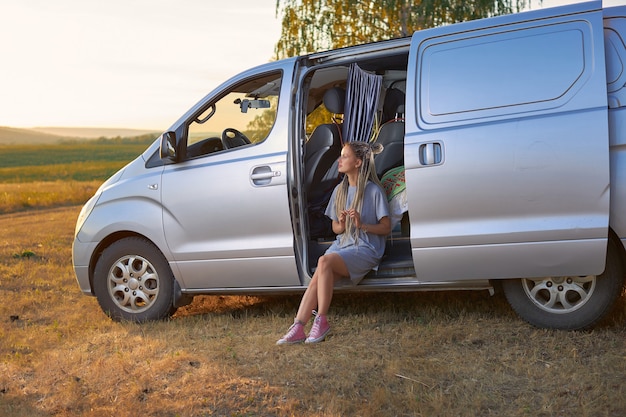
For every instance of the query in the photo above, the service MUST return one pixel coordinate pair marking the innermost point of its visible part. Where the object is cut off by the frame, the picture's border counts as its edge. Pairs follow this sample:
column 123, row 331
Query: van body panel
column 519, row 185
column 137, row 191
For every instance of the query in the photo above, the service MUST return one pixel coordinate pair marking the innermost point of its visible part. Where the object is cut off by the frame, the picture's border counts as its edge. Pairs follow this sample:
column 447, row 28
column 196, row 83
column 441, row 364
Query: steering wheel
column 231, row 138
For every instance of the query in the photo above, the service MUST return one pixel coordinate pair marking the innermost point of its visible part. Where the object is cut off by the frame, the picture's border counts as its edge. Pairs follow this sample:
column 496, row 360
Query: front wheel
column 568, row 303
column 133, row 281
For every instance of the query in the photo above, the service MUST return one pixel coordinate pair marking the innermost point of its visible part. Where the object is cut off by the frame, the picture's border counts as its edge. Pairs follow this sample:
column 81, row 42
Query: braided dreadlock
column 367, row 172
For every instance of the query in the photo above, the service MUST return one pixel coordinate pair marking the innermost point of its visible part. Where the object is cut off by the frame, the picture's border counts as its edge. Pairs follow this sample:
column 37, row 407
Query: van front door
column 507, row 163
column 225, row 204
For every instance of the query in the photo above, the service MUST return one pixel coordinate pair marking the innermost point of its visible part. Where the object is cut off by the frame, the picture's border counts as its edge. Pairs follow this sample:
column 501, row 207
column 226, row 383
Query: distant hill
column 92, row 132
column 14, row 136
column 52, row 135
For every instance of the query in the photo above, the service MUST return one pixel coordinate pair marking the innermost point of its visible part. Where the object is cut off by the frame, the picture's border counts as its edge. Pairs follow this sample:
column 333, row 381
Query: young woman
column 360, row 217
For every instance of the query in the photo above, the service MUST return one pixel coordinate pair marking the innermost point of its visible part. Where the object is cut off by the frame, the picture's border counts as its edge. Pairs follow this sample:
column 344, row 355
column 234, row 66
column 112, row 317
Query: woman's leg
column 331, row 267
column 319, row 293
column 309, row 300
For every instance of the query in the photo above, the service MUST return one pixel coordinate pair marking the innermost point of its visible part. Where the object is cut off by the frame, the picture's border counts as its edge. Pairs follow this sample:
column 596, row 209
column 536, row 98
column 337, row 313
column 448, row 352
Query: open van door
column 507, row 146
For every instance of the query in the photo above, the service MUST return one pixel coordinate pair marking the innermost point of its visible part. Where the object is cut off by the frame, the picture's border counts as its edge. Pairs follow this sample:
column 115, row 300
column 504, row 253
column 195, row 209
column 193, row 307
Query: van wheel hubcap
column 560, row 295
column 133, row 283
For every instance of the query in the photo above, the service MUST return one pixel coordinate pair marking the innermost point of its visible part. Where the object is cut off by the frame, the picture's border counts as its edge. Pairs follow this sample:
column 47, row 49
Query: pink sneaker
column 319, row 331
column 294, row 335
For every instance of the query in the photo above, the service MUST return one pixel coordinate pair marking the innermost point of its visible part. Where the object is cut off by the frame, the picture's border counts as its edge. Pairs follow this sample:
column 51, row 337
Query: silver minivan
column 505, row 147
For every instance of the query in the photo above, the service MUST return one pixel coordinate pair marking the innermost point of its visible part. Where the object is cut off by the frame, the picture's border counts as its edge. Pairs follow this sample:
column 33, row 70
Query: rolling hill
column 14, row 136
column 92, row 132
column 52, row 135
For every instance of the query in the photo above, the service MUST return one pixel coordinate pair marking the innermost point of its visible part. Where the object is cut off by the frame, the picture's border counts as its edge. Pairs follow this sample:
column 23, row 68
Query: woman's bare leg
column 331, row 268
column 309, row 301
column 319, row 293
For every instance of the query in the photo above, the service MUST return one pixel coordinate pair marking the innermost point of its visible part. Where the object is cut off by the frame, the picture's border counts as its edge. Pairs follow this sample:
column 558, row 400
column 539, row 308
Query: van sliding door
column 507, row 163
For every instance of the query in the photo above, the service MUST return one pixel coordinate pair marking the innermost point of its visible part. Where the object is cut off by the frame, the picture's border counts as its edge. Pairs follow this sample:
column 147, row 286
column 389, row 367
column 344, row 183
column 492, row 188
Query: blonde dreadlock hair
column 367, row 172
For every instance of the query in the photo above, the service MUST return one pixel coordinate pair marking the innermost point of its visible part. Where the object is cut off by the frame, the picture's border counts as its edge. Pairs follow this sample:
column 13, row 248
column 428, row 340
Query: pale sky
column 124, row 63
column 128, row 63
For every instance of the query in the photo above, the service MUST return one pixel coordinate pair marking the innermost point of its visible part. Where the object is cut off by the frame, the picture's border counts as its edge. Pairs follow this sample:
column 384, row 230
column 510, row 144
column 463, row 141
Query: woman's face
column 348, row 162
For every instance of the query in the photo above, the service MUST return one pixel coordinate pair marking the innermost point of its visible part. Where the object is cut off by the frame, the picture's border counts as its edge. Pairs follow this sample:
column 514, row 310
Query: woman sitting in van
column 360, row 217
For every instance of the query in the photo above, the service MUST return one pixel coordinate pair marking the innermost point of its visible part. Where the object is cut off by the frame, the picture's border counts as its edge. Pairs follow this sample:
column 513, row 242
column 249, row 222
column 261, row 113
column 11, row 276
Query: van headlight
column 85, row 212
column 91, row 203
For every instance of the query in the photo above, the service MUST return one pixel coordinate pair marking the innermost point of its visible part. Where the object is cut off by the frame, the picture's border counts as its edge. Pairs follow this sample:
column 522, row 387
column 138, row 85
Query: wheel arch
column 108, row 241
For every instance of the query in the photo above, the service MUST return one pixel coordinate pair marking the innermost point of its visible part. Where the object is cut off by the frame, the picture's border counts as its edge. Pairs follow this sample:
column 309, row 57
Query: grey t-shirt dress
column 365, row 255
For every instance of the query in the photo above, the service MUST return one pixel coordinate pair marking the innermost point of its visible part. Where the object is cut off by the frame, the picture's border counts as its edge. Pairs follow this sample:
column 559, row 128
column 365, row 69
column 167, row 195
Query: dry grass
column 423, row 354
column 44, row 194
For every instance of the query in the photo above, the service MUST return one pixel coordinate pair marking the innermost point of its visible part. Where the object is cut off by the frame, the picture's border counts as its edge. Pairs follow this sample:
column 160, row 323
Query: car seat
column 321, row 152
column 323, row 147
column 391, row 134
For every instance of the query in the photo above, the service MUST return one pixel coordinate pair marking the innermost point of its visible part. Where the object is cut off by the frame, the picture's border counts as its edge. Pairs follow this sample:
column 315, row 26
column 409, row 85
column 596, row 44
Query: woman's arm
column 383, row 227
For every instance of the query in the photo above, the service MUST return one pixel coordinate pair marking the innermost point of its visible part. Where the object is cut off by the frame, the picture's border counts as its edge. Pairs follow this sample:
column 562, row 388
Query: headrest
column 394, row 98
column 335, row 99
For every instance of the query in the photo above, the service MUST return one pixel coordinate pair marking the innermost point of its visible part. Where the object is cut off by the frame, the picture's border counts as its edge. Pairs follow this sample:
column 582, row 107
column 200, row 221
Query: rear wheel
column 133, row 281
column 568, row 303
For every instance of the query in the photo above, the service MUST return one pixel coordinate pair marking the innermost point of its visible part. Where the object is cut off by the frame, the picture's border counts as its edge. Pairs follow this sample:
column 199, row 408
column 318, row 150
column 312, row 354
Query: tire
column 133, row 281
column 568, row 303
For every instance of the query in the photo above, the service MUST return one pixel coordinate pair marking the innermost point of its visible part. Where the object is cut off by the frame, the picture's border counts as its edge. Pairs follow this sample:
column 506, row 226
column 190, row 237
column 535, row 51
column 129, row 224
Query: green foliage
column 25, row 254
column 314, row 25
column 319, row 116
column 258, row 129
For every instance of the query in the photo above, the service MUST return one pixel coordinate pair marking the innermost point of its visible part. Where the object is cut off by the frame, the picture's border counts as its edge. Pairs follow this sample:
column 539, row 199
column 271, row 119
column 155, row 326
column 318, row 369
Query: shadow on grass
column 449, row 303
column 413, row 306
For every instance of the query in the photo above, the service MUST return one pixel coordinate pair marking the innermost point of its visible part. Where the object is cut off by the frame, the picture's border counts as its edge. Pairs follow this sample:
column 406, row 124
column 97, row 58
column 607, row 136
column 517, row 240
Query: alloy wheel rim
column 133, row 283
column 560, row 295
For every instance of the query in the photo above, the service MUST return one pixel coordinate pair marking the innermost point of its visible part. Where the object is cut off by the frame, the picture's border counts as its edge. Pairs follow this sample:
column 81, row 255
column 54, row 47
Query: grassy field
column 422, row 354
column 80, row 161
column 44, row 176
column 51, row 155
column 408, row 354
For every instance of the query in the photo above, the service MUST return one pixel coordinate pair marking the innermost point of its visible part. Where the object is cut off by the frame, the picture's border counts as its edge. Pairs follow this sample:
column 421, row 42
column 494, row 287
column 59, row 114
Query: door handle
column 431, row 153
column 262, row 175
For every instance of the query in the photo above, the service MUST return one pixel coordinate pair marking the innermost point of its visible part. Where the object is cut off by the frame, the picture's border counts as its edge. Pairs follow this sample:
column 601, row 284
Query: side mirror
column 168, row 146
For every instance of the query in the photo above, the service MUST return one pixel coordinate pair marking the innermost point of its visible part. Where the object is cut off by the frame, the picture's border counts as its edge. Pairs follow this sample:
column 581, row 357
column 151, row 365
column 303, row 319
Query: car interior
column 323, row 146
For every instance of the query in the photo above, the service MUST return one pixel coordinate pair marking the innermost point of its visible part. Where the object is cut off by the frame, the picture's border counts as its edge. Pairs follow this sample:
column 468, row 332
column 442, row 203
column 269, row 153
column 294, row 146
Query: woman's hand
column 342, row 217
column 339, row 226
column 355, row 216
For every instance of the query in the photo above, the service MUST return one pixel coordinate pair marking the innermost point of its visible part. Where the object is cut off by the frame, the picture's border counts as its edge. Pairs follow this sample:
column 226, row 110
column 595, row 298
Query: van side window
column 550, row 65
column 242, row 116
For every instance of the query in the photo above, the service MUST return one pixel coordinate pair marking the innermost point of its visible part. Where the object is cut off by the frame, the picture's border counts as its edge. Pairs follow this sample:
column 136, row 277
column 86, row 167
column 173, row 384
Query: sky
column 128, row 63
